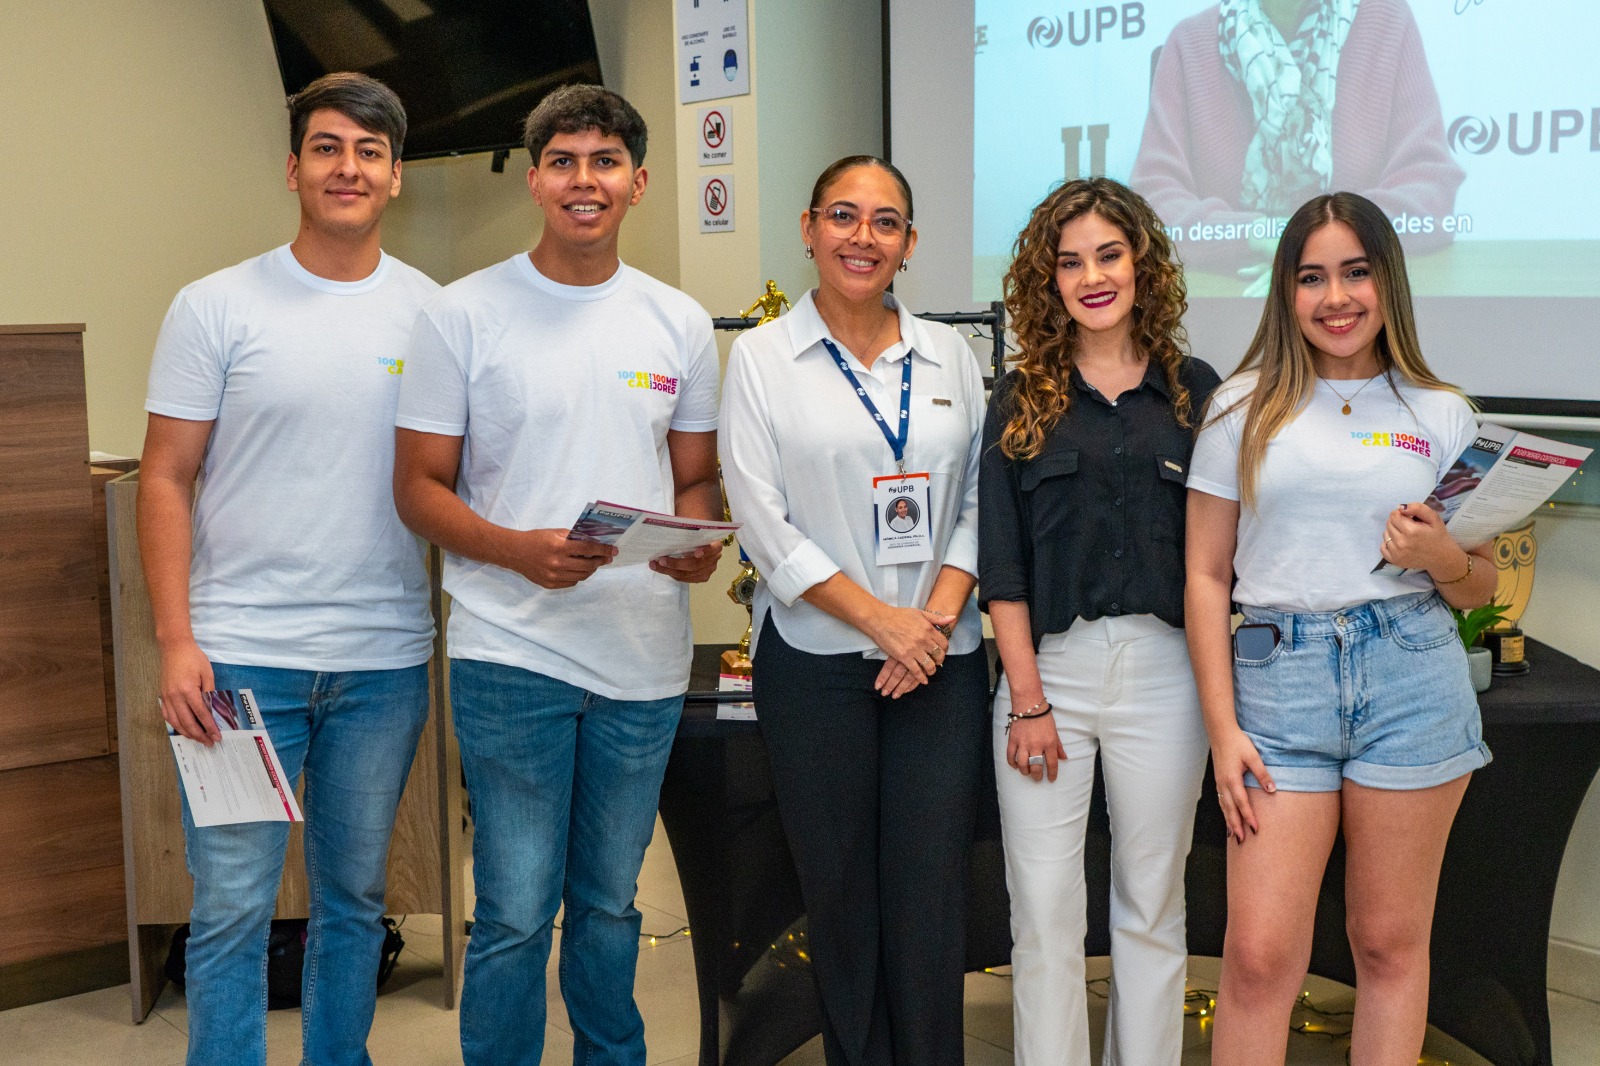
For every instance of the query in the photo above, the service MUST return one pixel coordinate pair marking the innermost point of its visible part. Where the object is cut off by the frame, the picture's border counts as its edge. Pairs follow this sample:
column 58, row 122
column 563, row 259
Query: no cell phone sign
column 716, row 196
column 716, row 205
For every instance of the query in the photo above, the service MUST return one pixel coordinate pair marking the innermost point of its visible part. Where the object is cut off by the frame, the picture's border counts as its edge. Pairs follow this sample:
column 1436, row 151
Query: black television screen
column 468, row 71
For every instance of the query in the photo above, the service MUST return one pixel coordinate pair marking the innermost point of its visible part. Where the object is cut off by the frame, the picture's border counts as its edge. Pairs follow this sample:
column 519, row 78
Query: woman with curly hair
column 1081, row 527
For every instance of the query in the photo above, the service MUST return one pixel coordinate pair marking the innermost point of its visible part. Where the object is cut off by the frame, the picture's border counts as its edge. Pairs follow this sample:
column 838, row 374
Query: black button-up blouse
column 1093, row 526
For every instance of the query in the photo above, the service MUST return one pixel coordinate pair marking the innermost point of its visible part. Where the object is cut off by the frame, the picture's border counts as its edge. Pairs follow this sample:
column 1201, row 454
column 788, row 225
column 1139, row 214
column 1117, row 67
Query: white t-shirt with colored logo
column 1326, row 487
column 299, row 558
column 564, row 395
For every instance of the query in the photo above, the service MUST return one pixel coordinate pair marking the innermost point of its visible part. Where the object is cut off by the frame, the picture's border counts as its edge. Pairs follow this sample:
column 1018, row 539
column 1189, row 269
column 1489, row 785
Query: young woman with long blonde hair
column 1342, row 702
column 1081, row 526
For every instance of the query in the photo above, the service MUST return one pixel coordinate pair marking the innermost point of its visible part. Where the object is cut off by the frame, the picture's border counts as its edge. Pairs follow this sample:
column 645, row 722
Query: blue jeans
column 1376, row 693
column 354, row 734
column 564, row 786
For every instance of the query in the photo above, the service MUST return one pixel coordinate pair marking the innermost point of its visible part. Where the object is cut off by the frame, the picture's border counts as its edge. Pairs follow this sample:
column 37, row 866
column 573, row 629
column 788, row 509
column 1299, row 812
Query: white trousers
column 1122, row 687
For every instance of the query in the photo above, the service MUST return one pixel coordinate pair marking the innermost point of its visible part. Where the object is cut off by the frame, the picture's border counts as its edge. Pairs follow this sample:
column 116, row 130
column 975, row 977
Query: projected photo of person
column 1259, row 105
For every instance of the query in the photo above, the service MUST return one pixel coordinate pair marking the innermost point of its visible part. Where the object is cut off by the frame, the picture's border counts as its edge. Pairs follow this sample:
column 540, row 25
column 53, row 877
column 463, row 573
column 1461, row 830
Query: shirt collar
column 807, row 330
column 1155, row 376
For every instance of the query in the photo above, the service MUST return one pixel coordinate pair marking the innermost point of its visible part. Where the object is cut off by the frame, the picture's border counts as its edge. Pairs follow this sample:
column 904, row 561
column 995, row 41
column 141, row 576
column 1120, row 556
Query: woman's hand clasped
column 916, row 645
column 1231, row 756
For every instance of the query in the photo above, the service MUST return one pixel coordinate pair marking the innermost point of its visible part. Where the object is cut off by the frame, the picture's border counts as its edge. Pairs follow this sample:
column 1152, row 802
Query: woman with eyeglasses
column 870, row 680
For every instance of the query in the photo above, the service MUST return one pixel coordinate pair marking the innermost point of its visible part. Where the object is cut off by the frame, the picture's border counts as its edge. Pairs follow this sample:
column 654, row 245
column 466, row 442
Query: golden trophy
column 772, row 302
column 743, row 592
column 1515, row 551
column 736, row 662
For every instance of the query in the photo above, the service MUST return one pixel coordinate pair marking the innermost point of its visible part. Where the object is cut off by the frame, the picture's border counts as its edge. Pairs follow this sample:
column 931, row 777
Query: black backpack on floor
column 286, row 956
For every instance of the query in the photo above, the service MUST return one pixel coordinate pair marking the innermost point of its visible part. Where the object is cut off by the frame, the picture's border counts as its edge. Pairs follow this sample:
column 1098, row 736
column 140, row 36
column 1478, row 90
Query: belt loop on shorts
column 1286, row 629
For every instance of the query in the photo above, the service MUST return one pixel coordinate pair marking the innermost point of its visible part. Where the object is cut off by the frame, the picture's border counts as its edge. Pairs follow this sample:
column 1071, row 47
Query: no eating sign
column 716, row 137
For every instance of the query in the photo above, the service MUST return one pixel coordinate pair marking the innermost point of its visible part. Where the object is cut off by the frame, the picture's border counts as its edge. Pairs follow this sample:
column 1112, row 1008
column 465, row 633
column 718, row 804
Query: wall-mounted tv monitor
column 469, row 71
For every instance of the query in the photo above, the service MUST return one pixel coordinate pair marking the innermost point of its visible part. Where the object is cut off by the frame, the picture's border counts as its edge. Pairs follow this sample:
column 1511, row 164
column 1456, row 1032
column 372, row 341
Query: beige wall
column 145, row 147
column 150, row 152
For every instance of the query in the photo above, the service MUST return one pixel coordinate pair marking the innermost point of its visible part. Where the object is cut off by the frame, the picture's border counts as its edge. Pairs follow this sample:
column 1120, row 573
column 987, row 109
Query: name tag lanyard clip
column 897, row 443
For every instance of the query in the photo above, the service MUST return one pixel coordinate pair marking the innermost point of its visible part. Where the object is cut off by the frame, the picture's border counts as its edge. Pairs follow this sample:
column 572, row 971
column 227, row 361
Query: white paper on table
column 238, row 778
column 735, row 712
column 640, row 536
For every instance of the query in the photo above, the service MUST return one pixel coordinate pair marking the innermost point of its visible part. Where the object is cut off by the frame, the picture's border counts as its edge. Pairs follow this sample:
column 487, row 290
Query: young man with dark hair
column 558, row 377
column 276, row 380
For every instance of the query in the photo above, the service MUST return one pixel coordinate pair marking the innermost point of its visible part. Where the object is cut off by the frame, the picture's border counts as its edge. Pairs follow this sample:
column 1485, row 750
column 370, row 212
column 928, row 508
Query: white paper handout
column 239, row 778
column 640, row 535
column 1501, row 478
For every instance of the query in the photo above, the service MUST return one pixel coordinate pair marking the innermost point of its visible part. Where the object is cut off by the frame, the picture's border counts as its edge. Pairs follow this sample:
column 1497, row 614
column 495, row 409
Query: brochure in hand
column 238, row 778
column 1502, row 477
column 640, row 536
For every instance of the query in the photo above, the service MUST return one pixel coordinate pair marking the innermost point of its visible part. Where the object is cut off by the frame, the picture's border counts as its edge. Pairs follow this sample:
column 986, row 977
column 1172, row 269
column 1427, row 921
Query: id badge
column 902, row 519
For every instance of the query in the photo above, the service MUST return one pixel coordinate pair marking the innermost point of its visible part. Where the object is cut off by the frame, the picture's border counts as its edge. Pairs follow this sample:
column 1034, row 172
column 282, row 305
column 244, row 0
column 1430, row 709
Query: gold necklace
column 1346, row 408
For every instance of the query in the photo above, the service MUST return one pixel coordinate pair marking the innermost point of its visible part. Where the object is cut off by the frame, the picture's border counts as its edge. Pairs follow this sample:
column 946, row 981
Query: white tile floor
column 413, row 1029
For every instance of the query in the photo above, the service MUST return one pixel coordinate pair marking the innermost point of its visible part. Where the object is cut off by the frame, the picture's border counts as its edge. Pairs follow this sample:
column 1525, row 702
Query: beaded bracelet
column 1038, row 710
column 1463, row 577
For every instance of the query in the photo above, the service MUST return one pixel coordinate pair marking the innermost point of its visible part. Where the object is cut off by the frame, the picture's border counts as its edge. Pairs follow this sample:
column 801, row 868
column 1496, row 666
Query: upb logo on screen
column 1525, row 132
column 1091, row 25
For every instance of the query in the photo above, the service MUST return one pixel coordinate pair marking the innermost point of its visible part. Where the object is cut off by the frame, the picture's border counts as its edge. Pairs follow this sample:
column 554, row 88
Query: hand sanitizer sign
column 713, row 33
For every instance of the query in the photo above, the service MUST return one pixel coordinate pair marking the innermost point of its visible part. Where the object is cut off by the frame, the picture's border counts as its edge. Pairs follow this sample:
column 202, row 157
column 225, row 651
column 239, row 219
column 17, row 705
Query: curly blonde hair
column 1047, row 333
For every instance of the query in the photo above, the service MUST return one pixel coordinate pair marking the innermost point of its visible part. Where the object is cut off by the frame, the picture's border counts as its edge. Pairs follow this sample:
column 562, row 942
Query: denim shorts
column 1377, row 693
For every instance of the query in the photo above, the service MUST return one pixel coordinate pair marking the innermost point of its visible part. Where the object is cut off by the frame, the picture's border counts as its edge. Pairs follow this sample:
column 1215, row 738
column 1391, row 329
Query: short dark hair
column 839, row 167
column 575, row 108
column 364, row 100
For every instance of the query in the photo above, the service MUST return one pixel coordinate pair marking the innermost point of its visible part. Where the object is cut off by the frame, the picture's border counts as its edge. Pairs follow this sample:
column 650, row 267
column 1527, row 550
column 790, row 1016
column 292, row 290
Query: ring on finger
column 1035, row 760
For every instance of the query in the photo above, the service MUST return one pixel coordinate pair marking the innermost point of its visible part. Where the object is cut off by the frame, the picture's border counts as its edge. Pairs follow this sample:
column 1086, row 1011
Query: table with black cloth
column 1491, row 927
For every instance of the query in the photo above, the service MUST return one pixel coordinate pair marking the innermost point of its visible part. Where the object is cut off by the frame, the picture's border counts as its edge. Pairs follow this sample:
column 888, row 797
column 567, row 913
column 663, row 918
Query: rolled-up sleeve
column 1003, row 569
column 752, row 474
column 961, row 551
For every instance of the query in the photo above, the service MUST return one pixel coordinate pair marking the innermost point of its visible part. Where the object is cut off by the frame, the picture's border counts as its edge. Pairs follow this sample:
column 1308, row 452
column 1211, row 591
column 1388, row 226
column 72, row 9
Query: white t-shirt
column 1326, row 487
column 564, row 395
column 299, row 558
column 799, row 452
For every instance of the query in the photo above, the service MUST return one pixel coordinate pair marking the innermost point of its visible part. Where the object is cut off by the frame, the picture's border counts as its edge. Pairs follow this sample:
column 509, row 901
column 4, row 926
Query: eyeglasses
column 844, row 222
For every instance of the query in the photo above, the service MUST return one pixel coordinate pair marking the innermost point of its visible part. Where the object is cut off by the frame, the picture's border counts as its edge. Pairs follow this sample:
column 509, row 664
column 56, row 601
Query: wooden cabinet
column 60, row 857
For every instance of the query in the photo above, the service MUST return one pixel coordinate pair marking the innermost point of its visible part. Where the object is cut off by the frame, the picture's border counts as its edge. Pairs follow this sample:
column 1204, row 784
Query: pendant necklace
column 1345, row 410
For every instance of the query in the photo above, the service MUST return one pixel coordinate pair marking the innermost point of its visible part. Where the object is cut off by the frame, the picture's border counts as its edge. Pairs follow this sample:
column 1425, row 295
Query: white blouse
column 799, row 452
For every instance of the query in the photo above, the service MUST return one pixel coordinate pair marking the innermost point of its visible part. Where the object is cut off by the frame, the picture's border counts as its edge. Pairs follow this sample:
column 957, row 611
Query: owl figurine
column 1514, row 553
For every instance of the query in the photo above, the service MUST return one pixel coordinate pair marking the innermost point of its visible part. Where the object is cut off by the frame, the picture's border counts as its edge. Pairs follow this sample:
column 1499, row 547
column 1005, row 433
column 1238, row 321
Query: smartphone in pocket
column 1255, row 642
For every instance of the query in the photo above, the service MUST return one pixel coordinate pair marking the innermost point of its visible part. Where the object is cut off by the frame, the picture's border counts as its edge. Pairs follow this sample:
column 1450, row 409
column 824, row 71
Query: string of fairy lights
column 1308, row 1019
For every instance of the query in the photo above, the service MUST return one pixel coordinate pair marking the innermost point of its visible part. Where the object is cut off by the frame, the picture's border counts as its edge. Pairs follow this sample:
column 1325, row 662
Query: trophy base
column 736, row 663
column 1507, row 647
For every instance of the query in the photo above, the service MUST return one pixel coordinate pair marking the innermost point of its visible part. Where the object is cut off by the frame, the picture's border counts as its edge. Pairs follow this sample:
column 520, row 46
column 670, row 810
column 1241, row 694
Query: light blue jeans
column 564, row 786
column 354, row 735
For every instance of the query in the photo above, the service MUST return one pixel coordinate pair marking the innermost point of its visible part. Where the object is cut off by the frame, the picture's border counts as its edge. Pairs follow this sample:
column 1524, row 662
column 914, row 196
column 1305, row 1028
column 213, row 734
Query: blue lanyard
column 898, row 443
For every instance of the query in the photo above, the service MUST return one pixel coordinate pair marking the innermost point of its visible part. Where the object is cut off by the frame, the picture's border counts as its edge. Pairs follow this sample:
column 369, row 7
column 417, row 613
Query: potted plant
column 1472, row 625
